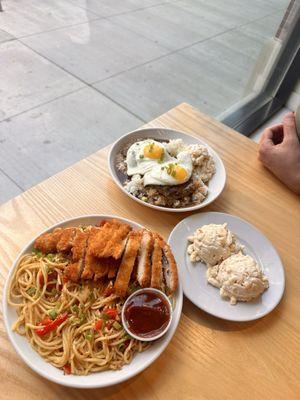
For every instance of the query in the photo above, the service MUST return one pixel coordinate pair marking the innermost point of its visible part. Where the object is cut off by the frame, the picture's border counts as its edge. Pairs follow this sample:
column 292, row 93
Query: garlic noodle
column 73, row 326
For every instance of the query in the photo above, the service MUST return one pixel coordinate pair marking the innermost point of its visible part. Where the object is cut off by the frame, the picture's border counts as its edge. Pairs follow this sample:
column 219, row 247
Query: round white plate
column 94, row 380
column 206, row 296
column 215, row 186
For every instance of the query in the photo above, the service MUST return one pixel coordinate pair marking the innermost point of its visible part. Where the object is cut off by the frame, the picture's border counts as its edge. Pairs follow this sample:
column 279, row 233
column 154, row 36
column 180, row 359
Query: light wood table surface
column 208, row 358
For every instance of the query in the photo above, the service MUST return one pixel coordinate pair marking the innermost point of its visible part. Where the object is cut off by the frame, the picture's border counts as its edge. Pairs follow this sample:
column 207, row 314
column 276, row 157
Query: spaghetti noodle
column 75, row 326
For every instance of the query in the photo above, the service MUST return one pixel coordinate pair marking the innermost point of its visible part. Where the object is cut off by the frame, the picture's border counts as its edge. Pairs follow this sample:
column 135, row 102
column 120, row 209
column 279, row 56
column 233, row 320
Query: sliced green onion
column 74, row 308
column 38, row 253
column 127, row 336
column 89, row 335
column 117, row 326
column 52, row 314
column 50, row 256
column 121, row 347
column 105, row 316
column 82, row 318
column 31, row 291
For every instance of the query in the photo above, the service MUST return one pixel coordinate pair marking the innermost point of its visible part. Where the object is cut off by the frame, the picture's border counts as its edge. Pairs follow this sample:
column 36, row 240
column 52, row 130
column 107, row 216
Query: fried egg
column 144, row 155
column 171, row 172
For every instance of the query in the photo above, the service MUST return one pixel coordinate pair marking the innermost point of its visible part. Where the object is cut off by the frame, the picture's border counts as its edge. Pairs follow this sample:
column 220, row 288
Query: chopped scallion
column 52, row 314
column 89, row 335
column 117, row 326
column 31, row 291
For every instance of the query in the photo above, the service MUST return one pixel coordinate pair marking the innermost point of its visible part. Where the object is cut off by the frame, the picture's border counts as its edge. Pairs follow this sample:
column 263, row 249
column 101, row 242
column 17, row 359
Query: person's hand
column 279, row 151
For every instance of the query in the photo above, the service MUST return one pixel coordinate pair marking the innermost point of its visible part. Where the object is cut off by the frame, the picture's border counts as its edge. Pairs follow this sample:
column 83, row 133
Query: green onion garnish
column 52, row 314
column 31, row 291
column 89, row 335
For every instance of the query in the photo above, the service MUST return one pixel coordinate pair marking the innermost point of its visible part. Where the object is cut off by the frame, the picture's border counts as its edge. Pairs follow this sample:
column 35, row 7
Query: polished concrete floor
column 77, row 74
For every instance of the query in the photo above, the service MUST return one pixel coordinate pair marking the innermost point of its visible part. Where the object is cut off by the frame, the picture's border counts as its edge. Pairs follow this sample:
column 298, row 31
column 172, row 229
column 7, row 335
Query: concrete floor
column 77, row 74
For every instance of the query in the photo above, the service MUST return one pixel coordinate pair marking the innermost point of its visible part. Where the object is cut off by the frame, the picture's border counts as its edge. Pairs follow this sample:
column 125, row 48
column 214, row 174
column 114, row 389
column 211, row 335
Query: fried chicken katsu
column 110, row 240
column 114, row 252
column 128, row 259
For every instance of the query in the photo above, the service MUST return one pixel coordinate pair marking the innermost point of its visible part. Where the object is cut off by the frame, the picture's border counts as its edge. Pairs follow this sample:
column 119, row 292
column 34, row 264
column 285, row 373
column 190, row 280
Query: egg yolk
column 153, row 151
column 179, row 173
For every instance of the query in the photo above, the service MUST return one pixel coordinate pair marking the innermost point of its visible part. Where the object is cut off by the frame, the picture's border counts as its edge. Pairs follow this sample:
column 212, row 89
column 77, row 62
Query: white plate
column 206, row 296
column 215, row 186
column 94, row 380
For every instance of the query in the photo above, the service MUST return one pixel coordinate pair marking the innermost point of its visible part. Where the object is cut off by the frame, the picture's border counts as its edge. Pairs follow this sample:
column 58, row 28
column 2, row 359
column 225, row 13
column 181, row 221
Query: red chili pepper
column 45, row 321
column 127, row 343
column 111, row 312
column 98, row 325
column 47, row 325
column 67, row 369
column 41, row 279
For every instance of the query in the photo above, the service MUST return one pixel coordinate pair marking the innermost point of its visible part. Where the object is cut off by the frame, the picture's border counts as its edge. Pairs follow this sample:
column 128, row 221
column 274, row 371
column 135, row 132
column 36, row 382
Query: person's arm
column 279, row 151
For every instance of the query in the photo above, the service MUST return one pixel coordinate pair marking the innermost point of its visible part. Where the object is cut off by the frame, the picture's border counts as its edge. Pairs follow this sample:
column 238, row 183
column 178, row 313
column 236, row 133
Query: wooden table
column 208, row 358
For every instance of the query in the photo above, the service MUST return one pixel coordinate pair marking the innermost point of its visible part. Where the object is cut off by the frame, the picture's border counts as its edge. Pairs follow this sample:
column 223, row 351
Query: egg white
column 137, row 163
column 158, row 175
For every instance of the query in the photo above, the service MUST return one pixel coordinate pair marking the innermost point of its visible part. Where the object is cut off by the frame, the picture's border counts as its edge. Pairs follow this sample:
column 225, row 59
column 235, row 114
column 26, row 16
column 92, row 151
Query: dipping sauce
column 147, row 314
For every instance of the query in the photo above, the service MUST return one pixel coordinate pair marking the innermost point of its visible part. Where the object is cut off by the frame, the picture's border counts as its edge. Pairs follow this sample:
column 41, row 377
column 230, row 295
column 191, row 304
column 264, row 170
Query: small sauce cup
column 147, row 314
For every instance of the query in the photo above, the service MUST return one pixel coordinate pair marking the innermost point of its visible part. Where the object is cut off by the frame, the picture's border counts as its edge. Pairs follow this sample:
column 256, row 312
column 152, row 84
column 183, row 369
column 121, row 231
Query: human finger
column 289, row 127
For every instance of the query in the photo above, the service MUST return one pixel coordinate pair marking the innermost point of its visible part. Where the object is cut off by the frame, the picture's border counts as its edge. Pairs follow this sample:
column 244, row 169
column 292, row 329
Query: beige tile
column 27, row 80
column 154, row 88
column 168, row 25
column 27, row 17
column 43, row 141
column 95, row 50
column 106, row 8
column 4, row 36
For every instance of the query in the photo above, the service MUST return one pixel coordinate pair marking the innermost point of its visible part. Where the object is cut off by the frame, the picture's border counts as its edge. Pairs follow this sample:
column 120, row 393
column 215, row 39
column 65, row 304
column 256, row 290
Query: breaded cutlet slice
column 169, row 266
column 156, row 263
column 110, row 240
column 144, row 262
column 73, row 271
column 79, row 245
column 47, row 242
column 106, row 267
column 127, row 263
column 66, row 240
column 90, row 262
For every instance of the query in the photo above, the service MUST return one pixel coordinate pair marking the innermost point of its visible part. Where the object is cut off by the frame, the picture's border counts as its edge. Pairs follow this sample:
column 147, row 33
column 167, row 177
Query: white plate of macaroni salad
column 227, row 267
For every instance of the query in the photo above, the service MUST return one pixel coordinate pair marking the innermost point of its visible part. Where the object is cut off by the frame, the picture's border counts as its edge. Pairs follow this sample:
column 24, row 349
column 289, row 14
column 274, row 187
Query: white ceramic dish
column 159, row 335
column 206, row 296
column 216, row 184
column 95, row 380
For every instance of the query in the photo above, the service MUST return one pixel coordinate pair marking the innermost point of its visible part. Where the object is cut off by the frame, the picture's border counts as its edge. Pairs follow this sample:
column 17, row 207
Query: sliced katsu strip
column 106, row 267
column 127, row 263
column 66, row 240
column 74, row 271
column 113, row 266
column 169, row 266
column 144, row 262
column 47, row 242
column 110, row 240
column 156, row 264
column 90, row 262
column 79, row 245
